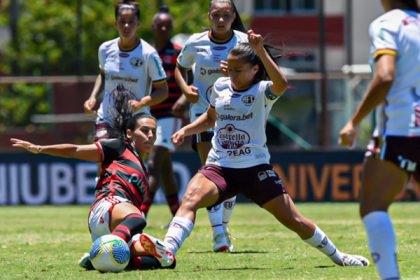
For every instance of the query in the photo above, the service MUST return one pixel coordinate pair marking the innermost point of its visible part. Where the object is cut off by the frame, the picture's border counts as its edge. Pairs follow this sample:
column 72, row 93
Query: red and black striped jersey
column 123, row 173
column 168, row 55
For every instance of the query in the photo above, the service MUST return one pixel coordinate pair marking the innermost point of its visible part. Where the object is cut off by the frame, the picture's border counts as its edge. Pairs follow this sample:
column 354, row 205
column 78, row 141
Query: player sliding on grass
column 239, row 158
column 122, row 186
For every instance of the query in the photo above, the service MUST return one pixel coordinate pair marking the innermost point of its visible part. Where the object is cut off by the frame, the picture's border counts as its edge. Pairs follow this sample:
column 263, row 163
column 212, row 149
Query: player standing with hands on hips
column 395, row 93
column 239, row 159
column 206, row 54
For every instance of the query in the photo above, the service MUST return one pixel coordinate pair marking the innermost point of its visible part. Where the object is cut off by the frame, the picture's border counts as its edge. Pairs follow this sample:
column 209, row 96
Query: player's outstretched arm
column 84, row 152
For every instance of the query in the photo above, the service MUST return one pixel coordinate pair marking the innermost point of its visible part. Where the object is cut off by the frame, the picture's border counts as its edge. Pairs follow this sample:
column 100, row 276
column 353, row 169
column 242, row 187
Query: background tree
column 48, row 39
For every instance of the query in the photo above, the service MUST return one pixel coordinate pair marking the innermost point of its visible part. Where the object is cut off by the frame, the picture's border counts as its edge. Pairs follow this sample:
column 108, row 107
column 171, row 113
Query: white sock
column 179, row 229
column 228, row 207
column 320, row 241
column 216, row 218
column 382, row 244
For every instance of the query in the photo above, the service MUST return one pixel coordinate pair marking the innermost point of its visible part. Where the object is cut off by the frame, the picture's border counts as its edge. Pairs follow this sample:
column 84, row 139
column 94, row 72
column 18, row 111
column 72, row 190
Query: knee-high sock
column 228, row 207
column 320, row 241
column 179, row 229
column 215, row 214
column 132, row 224
column 382, row 244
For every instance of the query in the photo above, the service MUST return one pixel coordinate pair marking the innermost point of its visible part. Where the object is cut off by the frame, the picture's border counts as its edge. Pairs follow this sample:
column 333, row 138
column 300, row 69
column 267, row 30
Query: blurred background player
column 118, row 197
column 126, row 64
column 169, row 115
column 394, row 89
column 241, row 164
column 204, row 53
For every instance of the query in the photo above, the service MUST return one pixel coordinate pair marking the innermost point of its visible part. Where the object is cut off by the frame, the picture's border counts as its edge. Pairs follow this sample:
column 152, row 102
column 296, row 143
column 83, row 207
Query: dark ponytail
column 121, row 109
column 124, row 118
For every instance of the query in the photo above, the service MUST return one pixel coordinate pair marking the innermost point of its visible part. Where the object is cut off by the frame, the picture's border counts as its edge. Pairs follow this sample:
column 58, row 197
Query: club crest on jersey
column 248, row 100
column 136, row 62
column 229, row 137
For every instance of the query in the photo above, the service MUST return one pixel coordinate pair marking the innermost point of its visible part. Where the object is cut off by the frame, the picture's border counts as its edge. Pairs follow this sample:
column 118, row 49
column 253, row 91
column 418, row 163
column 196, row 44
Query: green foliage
column 47, row 44
column 45, row 242
column 19, row 101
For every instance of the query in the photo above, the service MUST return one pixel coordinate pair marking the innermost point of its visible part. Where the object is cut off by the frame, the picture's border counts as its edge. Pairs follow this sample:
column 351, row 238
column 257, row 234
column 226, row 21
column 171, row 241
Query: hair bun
column 164, row 9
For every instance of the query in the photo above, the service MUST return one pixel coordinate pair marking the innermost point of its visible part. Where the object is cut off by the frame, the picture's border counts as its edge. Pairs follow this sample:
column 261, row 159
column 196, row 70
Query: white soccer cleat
column 229, row 239
column 157, row 248
column 354, row 260
column 220, row 243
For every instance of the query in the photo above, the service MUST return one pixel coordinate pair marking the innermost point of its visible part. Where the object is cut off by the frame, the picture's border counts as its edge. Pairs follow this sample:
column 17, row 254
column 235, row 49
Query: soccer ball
column 109, row 253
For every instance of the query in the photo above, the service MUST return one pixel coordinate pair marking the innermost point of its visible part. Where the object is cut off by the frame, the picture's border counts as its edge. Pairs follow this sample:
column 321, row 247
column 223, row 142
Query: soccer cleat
column 220, row 243
column 229, row 239
column 85, row 262
column 157, row 248
column 354, row 260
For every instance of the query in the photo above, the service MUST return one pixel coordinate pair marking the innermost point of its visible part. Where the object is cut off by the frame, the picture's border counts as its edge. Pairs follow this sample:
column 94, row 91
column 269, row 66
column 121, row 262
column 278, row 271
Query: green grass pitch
column 45, row 242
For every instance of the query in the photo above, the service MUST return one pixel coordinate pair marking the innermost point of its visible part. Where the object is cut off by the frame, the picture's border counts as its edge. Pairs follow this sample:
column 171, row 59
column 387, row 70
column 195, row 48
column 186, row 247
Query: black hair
column 123, row 112
column 127, row 4
column 237, row 24
column 411, row 5
column 248, row 54
column 131, row 123
column 163, row 10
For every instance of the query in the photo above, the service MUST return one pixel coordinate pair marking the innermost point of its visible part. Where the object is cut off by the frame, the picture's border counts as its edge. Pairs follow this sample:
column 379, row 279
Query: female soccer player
column 394, row 89
column 169, row 116
column 205, row 53
column 127, row 64
column 122, row 186
column 239, row 158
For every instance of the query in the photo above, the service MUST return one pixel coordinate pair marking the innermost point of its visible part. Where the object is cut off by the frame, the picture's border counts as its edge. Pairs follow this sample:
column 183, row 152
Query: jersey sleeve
column 110, row 149
column 265, row 88
column 155, row 67
column 187, row 55
column 101, row 56
column 383, row 34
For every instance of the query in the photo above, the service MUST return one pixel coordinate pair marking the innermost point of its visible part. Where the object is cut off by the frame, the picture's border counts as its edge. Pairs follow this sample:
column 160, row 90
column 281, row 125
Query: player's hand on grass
column 25, row 145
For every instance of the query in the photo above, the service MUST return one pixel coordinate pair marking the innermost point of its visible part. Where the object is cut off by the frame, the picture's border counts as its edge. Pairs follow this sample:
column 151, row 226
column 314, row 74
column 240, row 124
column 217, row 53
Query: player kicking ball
column 239, row 160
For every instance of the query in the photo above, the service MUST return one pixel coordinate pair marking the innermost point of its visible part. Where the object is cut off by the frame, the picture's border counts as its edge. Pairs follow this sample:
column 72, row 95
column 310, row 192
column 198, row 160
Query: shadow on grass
column 324, row 266
column 233, row 253
column 233, row 269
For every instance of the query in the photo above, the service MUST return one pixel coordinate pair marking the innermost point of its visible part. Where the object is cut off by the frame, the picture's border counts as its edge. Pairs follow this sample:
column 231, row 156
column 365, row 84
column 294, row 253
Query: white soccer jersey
column 397, row 32
column 203, row 55
column 239, row 139
column 130, row 71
